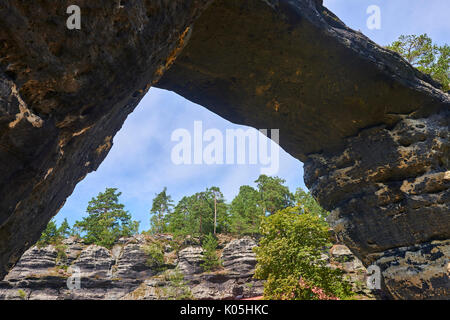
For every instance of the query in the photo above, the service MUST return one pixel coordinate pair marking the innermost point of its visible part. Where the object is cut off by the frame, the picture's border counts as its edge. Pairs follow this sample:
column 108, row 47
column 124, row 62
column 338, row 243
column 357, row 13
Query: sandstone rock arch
column 371, row 130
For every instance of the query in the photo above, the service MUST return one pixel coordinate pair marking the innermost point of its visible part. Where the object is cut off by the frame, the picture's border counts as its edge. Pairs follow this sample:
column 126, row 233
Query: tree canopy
column 107, row 220
column 427, row 57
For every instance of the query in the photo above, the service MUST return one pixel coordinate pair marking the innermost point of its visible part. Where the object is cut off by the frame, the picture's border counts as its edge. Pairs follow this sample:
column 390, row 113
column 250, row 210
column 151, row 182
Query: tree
column 162, row 205
column 50, row 235
column 427, row 57
column 274, row 195
column 199, row 214
column 289, row 258
column 246, row 211
column 64, row 229
column 107, row 221
column 210, row 259
column 308, row 204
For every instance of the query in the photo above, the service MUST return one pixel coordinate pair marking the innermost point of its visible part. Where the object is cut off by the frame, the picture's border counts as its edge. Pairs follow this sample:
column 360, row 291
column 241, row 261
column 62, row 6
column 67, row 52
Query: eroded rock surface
column 123, row 272
column 65, row 93
column 372, row 130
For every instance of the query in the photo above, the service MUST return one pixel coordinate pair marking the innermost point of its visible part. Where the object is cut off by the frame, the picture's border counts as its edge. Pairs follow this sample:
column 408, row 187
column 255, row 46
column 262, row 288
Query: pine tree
column 107, row 221
column 246, row 212
column 274, row 195
column 162, row 205
column 429, row 58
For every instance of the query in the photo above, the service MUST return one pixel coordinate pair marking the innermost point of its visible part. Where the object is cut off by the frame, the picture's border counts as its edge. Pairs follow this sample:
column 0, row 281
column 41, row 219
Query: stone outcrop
column 371, row 129
column 123, row 272
column 65, row 93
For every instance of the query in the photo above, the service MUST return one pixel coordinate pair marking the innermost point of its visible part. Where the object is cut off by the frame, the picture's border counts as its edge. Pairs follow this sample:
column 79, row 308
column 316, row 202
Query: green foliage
column 61, row 255
column 162, row 205
column 429, row 58
column 308, row 204
column 22, row 294
column 178, row 288
column 49, row 235
column 274, row 195
column 289, row 258
column 107, row 221
column 210, row 259
column 64, row 230
column 194, row 215
column 246, row 212
column 155, row 253
column 54, row 235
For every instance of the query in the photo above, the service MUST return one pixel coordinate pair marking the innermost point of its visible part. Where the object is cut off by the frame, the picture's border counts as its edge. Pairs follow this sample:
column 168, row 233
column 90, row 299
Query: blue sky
column 139, row 163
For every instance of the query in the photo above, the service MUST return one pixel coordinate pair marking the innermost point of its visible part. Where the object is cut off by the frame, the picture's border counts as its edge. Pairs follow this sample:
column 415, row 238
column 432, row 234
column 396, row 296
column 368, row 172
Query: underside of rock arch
column 371, row 130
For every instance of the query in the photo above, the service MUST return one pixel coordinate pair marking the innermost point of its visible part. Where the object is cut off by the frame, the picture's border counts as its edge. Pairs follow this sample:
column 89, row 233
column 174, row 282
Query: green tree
column 107, row 221
column 50, row 235
column 246, row 212
column 289, row 258
column 199, row 214
column 162, row 206
column 64, row 229
column 308, row 204
column 210, row 259
column 274, row 195
column 427, row 57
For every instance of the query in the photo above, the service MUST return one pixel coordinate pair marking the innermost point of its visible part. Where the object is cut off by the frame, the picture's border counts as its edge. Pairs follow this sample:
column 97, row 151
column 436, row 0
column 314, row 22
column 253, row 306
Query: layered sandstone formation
column 372, row 130
column 124, row 272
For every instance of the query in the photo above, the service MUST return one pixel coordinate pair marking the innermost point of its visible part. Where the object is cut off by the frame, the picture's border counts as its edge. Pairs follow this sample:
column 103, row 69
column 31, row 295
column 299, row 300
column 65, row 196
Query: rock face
column 123, row 272
column 65, row 93
column 372, row 130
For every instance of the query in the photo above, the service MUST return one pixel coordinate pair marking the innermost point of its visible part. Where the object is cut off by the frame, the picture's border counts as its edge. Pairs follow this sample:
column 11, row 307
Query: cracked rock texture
column 65, row 93
column 122, row 272
column 371, row 129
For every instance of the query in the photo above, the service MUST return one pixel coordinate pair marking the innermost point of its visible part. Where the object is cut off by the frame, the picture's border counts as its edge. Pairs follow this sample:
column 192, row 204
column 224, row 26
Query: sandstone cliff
column 371, row 129
column 123, row 272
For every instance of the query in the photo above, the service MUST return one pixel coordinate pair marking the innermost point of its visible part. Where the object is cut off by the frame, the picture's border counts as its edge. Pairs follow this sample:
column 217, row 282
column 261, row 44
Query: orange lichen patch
column 254, row 298
column 274, row 104
column 48, row 173
column 259, row 90
column 105, row 146
column 24, row 113
column 81, row 131
column 174, row 54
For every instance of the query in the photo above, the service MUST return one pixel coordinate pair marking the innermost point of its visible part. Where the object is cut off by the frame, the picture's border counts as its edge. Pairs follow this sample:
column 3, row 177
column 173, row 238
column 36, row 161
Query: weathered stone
column 190, row 260
column 417, row 272
column 132, row 263
column 95, row 261
column 238, row 257
column 65, row 93
column 122, row 273
column 371, row 129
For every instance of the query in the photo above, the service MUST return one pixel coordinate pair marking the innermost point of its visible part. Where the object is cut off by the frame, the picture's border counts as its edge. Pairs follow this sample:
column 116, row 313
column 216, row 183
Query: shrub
column 155, row 253
column 289, row 258
column 210, row 258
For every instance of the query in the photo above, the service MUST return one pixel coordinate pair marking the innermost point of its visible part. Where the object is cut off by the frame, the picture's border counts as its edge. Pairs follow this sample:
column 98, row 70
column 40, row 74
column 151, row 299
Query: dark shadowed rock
column 371, row 129
column 65, row 93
